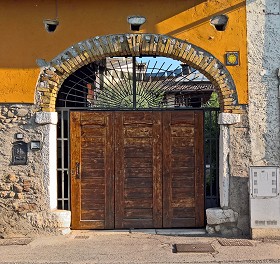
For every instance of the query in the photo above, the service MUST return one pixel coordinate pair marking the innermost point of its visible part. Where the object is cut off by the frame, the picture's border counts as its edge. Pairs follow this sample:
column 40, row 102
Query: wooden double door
column 137, row 169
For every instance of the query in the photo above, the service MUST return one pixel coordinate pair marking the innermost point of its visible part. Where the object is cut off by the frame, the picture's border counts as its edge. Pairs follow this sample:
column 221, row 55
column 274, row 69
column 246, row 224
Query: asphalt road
column 82, row 247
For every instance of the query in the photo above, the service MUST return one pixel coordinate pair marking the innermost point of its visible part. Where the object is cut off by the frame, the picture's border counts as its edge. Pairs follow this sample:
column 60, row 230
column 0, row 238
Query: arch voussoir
column 98, row 48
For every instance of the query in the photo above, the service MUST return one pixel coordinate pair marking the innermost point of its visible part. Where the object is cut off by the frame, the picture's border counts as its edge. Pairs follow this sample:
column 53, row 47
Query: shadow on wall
column 239, row 202
column 206, row 19
column 27, row 43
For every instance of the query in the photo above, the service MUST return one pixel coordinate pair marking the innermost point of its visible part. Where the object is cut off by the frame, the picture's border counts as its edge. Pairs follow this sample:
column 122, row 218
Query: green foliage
column 213, row 101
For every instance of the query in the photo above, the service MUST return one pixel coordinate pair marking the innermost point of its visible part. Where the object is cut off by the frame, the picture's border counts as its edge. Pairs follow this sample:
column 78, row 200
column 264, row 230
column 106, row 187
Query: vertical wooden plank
column 91, row 138
column 119, row 170
column 183, row 169
column 75, row 156
column 138, row 170
column 93, row 170
column 145, row 156
column 166, row 167
column 109, row 172
column 157, row 169
column 199, row 170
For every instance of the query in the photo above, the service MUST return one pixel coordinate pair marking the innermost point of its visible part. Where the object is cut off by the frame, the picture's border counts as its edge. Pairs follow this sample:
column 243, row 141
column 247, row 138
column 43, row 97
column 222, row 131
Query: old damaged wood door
column 92, row 170
column 183, row 174
column 138, row 199
column 137, row 169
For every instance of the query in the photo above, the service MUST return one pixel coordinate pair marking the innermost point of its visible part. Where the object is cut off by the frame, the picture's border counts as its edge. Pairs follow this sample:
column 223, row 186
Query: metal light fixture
column 136, row 22
column 219, row 22
column 51, row 24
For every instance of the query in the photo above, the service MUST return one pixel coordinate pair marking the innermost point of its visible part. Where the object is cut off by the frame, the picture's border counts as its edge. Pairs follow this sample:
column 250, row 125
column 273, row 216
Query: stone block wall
column 223, row 222
column 232, row 218
column 255, row 141
column 23, row 190
column 239, row 163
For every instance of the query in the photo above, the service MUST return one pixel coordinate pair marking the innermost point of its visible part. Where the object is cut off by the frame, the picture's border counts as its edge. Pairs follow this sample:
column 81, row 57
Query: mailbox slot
column 19, row 152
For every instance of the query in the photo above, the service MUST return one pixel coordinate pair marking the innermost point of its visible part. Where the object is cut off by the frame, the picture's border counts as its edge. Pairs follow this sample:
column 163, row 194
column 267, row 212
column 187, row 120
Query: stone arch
column 56, row 71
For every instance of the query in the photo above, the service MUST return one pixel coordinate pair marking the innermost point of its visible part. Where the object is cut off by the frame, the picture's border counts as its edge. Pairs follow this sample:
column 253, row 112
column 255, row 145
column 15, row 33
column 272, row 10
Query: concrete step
column 175, row 232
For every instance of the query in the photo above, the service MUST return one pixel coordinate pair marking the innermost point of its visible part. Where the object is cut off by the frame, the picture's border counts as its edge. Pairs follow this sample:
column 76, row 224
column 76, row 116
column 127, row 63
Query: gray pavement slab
column 133, row 247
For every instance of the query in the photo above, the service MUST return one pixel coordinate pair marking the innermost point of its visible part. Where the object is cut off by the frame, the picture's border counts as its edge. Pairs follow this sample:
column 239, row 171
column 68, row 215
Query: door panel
column 92, row 147
column 141, row 169
column 138, row 170
column 183, row 201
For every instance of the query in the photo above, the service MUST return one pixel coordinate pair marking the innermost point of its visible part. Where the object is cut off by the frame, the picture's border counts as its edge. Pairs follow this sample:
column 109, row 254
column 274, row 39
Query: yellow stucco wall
column 24, row 39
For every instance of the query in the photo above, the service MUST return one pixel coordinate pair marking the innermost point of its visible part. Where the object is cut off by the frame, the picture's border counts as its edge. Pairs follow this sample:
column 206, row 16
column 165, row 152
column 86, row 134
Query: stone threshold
column 175, row 232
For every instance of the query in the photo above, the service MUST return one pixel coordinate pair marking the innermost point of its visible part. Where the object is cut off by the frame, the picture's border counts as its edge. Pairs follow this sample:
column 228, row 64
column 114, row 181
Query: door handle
column 78, row 174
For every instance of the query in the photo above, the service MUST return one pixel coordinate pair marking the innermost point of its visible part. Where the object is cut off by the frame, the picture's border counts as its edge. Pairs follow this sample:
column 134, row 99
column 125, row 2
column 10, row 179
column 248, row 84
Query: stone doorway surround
column 223, row 220
column 56, row 71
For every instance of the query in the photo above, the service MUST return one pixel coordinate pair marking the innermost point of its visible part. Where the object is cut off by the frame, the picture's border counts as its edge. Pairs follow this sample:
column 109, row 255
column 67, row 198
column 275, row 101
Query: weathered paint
column 17, row 85
column 27, row 40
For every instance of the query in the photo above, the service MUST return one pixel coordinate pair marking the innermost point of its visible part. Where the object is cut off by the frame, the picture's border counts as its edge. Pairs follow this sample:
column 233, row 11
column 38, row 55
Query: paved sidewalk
column 124, row 247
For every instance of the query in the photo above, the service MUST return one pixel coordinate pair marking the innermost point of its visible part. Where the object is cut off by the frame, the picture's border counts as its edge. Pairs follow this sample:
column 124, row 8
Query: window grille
column 63, row 180
column 211, row 157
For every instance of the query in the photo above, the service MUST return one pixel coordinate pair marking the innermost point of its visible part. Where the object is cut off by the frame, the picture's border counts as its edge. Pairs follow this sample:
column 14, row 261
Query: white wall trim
column 44, row 118
column 228, row 119
column 48, row 122
column 225, row 120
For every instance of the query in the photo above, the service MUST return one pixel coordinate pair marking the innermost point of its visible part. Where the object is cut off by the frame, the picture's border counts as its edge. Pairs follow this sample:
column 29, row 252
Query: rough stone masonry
column 24, row 205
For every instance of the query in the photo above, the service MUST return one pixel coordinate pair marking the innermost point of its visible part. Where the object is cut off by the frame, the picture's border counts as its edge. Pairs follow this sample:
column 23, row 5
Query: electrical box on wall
column 264, row 182
column 264, row 197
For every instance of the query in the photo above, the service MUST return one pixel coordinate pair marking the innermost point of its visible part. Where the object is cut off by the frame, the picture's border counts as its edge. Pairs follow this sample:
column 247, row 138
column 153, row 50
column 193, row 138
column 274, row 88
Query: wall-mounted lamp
column 219, row 22
column 136, row 22
column 51, row 24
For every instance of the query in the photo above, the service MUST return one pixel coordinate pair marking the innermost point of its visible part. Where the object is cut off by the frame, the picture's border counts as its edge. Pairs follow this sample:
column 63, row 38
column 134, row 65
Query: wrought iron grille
column 63, row 179
column 130, row 83
column 211, row 157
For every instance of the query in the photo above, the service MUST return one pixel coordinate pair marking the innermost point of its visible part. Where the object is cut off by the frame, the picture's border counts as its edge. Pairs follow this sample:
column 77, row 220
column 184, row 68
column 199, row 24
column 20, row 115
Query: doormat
column 15, row 241
column 192, row 248
column 234, row 242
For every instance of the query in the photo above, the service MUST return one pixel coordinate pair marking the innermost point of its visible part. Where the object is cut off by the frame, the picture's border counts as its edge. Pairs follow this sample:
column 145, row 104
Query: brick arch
column 53, row 75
